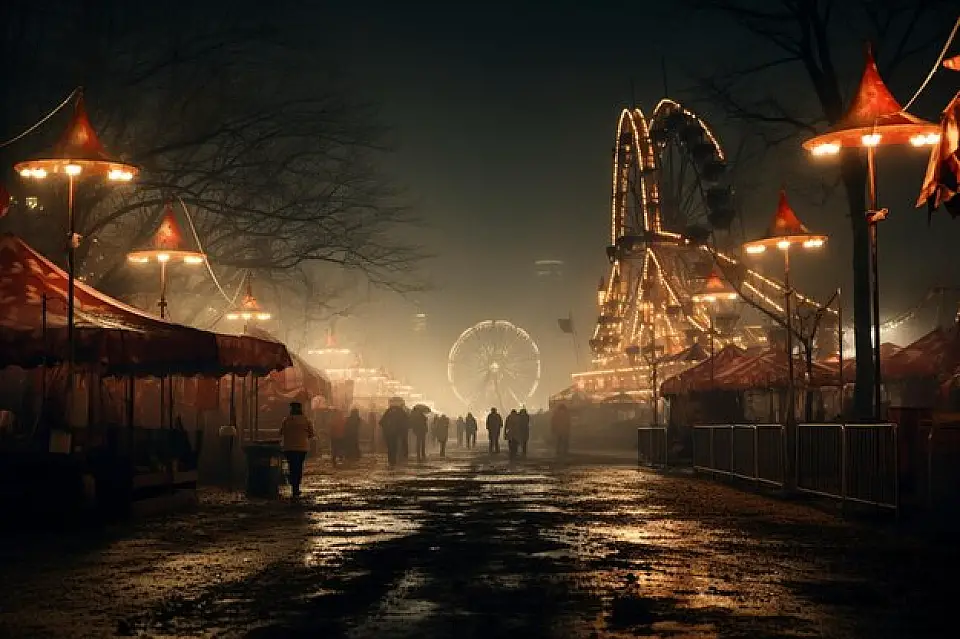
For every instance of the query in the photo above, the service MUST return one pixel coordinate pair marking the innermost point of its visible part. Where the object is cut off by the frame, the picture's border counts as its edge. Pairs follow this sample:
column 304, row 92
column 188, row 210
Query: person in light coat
column 296, row 433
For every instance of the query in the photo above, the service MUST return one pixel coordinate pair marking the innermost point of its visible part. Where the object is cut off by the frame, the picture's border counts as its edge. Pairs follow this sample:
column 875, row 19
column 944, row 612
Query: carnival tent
column 696, row 376
column 110, row 336
column 936, row 354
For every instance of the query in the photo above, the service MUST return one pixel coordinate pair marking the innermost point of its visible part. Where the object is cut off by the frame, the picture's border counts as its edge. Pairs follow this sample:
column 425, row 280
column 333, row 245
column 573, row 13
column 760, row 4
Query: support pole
column 790, row 425
column 874, row 216
column 71, row 279
column 163, row 290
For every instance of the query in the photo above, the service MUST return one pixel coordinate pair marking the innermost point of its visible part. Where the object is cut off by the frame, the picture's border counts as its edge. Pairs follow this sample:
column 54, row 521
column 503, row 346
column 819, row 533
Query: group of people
column 397, row 423
column 516, row 431
column 344, row 435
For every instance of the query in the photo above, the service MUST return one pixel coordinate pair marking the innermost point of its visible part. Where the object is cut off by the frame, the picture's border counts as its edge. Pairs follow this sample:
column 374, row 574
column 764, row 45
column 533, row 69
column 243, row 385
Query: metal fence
column 747, row 451
column 652, row 446
column 850, row 462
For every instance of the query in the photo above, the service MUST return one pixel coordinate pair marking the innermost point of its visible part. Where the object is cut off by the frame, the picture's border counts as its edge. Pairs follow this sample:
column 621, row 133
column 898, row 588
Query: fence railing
column 652, row 446
column 747, row 451
column 851, row 462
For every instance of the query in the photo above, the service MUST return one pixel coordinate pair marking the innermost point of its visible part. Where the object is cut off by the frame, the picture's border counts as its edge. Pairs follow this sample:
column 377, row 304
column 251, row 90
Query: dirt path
column 472, row 548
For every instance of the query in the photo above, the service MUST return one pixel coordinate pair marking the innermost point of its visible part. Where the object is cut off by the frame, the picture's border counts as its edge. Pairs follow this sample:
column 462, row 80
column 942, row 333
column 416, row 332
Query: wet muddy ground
column 476, row 547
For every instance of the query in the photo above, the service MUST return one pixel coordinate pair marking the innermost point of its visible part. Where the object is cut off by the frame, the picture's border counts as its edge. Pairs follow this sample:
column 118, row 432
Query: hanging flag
column 566, row 324
column 5, row 199
column 940, row 186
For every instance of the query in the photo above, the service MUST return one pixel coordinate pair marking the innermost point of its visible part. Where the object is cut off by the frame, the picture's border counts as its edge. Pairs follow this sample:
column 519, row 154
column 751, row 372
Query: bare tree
column 805, row 38
column 242, row 115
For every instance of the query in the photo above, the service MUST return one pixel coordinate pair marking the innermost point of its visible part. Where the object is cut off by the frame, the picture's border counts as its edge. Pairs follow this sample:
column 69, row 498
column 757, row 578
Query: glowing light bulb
column 871, row 139
column 263, row 317
column 73, row 169
column 755, row 249
column 192, row 259
column 232, row 316
column 163, row 257
column 246, row 316
column 827, row 148
column 783, row 245
column 138, row 259
column 26, row 173
column 119, row 175
column 813, row 243
column 929, row 139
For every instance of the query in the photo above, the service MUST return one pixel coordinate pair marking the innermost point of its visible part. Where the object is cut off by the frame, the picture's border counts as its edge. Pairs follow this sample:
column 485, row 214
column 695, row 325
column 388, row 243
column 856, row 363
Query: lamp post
column 785, row 233
column 874, row 118
column 249, row 310
column 166, row 247
column 77, row 155
column 715, row 291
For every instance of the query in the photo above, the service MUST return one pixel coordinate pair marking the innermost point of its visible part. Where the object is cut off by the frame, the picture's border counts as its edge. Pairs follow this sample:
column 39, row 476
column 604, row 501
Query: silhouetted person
column 403, row 439
column 393, row 423
column 470, row 429
column 418, row 424
column 442, row 433
column 461, row 430
column 352, row 438
column 560, row 423
column 511, row 433
column 337, row 428
column 494, row 426
column 296, row 431
column 523, row 430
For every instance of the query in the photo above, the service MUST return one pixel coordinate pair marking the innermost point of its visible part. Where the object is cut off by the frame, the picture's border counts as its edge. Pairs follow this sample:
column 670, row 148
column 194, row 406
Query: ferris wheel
column 494, row 363
column 672, row 209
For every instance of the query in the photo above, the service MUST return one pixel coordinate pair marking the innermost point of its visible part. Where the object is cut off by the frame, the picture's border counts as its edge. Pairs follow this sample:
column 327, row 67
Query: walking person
column 352, row 438
column 494, row 426
column 392, row 423
column 403, row 437
column 470, row 426
column 560, row 423
column 523, row 431
column 511, row 433
column 418, row 424
column 442, row 432
column 461, row 431
column 337, row 425
column 296, row 431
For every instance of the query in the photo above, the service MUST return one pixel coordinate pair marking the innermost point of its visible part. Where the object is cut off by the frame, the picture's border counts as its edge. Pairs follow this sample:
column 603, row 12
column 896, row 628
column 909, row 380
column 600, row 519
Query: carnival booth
column 127, row 407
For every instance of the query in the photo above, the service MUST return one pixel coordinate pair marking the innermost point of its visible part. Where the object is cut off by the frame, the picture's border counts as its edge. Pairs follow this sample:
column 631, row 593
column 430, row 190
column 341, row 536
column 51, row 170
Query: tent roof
column 935, row 354
column 110, row 335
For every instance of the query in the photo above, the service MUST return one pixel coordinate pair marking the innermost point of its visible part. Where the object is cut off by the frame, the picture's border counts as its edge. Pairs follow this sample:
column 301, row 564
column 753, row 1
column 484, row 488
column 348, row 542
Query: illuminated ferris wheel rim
column 640, row 128
column 475, row 330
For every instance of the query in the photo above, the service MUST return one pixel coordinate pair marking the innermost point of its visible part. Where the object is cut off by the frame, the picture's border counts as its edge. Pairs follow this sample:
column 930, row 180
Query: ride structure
column 672, row 225
column 494, row 363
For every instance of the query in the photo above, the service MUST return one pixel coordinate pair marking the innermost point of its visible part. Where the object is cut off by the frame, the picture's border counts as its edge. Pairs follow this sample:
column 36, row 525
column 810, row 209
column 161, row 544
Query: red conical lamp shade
column 79, row 152
column 785, row 230
column 874, row 117
column 715, row 289
column 167, row 244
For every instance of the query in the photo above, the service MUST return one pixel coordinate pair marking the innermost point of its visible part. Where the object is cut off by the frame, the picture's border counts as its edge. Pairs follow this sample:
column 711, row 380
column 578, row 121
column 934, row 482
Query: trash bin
column 263, row 470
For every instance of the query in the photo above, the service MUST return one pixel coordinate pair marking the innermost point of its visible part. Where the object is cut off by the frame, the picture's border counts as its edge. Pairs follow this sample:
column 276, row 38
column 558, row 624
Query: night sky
column 505, row 117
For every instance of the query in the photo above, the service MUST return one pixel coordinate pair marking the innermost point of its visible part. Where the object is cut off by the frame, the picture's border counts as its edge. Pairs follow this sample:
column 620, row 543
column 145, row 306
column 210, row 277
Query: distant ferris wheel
column 494, row 363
